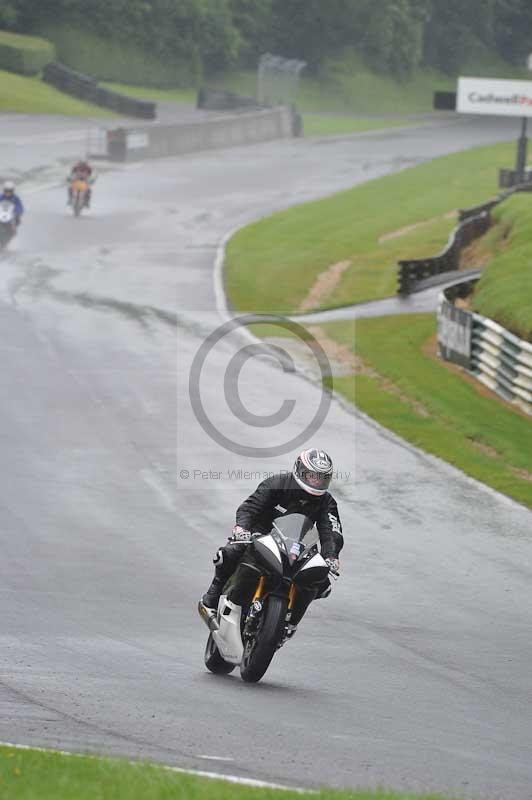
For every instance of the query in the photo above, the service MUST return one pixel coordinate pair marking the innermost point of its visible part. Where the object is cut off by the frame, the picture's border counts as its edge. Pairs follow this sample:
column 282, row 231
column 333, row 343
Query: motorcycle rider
column 11, row 196
column 303, row 491
column 81, row 171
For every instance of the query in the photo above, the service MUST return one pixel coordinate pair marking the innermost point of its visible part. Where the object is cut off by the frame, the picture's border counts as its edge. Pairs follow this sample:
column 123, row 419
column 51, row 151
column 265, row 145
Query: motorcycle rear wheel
column 259, row 651
column 214, row 661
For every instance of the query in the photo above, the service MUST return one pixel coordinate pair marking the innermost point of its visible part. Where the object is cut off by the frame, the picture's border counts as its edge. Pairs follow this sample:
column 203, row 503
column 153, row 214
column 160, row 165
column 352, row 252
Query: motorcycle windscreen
column 7, row 211
column 297, row 527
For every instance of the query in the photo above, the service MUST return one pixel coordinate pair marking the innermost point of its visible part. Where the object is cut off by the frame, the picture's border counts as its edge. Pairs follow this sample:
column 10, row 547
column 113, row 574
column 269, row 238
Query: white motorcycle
column 249, row 635
column 8, row 223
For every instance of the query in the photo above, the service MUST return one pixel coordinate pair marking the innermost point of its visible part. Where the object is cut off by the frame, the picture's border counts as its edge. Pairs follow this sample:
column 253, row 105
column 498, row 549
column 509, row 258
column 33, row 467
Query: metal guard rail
column 84, row 87
column 494, row 356
column 474, row 222
column 412, row 271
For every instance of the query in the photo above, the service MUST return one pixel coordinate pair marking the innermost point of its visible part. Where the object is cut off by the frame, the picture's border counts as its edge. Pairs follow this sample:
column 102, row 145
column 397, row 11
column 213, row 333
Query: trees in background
column 393, row 36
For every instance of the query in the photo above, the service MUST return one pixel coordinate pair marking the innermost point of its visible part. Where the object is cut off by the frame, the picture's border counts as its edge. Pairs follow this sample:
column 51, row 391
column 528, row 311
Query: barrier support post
column 522, row 146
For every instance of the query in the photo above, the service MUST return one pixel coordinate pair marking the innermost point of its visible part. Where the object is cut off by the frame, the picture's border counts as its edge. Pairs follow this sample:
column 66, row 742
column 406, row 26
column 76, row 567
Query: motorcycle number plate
column 295, row 551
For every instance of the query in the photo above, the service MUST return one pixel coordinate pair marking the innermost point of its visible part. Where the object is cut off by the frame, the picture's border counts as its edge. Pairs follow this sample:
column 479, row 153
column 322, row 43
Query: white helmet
column 313, row 471
column 9, row 186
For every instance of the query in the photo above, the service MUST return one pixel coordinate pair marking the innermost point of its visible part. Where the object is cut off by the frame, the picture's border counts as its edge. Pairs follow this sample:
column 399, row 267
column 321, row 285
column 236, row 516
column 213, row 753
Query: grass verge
column 27, row 774
column 332, row 125
column 504, row 292
column 23, row 95
column 185, row 96
column 349, row 86
column 272, row 265
column 400, row 382
column 315, row 124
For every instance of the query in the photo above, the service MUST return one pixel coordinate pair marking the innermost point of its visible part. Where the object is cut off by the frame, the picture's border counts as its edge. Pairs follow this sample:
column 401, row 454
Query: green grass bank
column 504, row 292
column 26, row 55
column 31, row 774
column 394, row 373
column 402, row 384
column 23, row 95
column 272, row 265
column 391, row 372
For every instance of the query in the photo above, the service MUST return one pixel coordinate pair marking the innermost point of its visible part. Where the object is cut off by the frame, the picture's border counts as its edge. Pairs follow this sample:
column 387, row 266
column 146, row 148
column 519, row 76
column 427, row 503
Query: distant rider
column 81, row 171
column 303, row 491
column 10, row 195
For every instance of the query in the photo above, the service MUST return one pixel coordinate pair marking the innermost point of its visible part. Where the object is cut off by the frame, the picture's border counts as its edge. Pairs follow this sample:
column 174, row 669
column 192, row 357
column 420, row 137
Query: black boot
column 212, row 595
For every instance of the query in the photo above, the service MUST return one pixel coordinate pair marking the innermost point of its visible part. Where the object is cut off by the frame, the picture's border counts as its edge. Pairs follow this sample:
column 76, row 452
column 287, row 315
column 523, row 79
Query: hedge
column 26, row 55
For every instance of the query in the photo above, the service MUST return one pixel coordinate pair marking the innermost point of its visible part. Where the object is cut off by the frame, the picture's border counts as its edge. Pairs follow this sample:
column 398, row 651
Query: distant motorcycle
column 249, row 635
column 79, row 195
column 8, row 223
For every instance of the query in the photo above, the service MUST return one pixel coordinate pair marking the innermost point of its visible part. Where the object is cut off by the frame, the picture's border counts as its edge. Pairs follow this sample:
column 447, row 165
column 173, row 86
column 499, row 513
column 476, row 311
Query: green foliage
column 512, row 29
column 311, row 30
column 394, row 41
column 253, row 19
column 456, row 30
column 393, row 36
column 8, row 14
column 26, row 55
column 169, row 36
column 90, row 53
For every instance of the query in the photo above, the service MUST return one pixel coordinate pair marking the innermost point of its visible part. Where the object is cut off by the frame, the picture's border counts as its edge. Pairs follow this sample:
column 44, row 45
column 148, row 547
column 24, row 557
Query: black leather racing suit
column 273, row 498
column 280, row 495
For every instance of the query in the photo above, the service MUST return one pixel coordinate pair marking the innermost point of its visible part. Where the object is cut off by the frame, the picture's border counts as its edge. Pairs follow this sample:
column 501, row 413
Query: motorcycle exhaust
column 209, row 617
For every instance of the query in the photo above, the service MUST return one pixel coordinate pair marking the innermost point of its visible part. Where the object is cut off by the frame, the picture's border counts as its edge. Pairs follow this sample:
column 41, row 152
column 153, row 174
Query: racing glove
column 334, row 566
column 240, row 535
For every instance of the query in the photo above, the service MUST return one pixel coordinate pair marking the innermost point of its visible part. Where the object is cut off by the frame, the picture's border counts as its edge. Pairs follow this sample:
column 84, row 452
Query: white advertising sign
column 137, row 141
column 497, row 97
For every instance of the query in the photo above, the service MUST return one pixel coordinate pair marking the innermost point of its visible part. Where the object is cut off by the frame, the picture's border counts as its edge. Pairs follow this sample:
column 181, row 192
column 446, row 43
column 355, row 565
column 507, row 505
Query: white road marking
column 216, row 758
column 219, row 289
column 222, row 305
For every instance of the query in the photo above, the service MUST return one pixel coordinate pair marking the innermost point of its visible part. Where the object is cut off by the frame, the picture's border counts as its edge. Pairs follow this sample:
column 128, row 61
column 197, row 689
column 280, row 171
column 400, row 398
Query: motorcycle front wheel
column 214, row 661
column 261, row 648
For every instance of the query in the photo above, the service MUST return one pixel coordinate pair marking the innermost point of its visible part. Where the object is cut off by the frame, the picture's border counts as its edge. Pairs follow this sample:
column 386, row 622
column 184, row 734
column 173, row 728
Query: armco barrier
column 136, row 144
column 86, row 88
column 413, row 271
column 474, row 222
column 502, row 361
column 497, row 358
column 220, row 100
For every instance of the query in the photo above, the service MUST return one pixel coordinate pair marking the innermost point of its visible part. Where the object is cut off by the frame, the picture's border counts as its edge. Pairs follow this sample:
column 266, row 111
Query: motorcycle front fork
column 257, row 604
column 260, row 591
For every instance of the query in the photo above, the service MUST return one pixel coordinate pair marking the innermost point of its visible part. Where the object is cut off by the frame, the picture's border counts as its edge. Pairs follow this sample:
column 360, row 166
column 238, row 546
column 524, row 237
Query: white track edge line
column 252, row 782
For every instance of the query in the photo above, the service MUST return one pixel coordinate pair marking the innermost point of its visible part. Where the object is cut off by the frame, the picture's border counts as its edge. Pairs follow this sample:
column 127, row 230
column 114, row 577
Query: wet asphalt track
column 415, row 674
